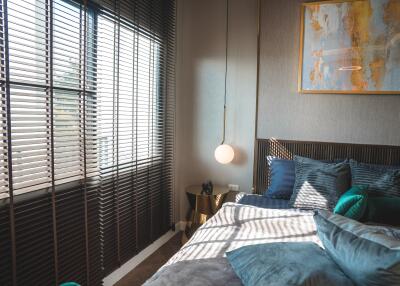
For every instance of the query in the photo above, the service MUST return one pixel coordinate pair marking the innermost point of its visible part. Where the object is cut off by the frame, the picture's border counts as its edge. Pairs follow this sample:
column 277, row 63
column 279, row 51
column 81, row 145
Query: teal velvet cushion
column 369, row 255
column 353, row 203
column 363, row 204
column 285, row 263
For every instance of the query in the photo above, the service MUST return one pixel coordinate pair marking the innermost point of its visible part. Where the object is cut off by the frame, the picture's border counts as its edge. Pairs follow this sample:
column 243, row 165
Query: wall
column 284, row 114
column 200, row 93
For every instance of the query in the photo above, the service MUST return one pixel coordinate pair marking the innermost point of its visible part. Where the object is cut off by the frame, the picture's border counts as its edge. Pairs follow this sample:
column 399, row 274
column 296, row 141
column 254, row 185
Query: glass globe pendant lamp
column 224, row 153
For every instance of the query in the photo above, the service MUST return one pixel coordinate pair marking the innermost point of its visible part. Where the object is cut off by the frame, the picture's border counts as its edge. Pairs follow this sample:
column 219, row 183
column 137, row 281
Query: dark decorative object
column 207, row 188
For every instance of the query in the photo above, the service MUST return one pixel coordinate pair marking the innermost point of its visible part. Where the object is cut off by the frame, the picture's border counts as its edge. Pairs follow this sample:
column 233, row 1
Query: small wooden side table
column 202, row 207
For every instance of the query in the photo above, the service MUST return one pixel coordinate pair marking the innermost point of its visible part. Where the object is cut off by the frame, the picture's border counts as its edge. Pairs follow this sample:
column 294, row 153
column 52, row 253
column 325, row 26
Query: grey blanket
column 201, row 261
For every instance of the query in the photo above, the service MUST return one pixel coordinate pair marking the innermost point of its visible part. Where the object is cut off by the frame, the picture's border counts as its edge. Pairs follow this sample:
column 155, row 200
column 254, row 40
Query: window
column 132, row 137
column 52, row 94
column 128, row 104
column 86, row 165
column 75, row 94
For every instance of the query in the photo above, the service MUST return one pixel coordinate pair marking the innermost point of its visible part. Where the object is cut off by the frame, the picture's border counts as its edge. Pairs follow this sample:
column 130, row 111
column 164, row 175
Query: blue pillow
column 369, row 255
column 385, row 180
column 319, row 185
column 282, row 178
column 285, row 263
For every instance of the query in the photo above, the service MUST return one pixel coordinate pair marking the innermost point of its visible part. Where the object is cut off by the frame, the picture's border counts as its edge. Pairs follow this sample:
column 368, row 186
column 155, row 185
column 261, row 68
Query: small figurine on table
column 207, row 188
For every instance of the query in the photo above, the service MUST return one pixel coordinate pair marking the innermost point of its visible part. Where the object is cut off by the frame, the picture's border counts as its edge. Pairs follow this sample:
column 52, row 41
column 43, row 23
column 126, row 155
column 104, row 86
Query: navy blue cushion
column 319, row 185
column 263, row 202
column 282, row 174
column 382, row 179
column 369, row 255
column 285, row 263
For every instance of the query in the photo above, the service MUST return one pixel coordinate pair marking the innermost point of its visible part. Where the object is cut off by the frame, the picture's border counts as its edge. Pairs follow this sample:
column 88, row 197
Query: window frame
column 93, row 11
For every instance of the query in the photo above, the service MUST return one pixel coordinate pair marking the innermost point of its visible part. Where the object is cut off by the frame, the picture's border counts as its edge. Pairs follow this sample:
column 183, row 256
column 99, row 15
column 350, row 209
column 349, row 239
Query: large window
column 128, row 104
column 80, row 101
column 87, row 151
column 52, row 94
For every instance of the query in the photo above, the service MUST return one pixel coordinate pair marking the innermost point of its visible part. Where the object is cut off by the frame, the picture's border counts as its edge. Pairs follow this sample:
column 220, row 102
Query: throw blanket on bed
column 201, row 261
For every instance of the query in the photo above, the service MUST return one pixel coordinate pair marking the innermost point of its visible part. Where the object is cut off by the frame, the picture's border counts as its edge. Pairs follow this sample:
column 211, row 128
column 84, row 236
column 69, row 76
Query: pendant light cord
column 226, row 67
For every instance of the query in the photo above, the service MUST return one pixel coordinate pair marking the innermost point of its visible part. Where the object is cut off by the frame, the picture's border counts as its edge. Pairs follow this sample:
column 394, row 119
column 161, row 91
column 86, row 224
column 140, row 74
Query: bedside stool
column 202, row 207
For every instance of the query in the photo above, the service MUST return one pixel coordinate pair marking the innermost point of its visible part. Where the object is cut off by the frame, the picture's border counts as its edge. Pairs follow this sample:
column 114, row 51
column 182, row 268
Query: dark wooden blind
column 86, row 168
column 136, row 138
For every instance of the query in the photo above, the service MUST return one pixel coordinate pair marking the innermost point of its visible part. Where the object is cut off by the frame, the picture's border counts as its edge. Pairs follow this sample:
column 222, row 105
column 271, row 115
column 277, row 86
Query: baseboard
column 127, row 267
column 180, row 225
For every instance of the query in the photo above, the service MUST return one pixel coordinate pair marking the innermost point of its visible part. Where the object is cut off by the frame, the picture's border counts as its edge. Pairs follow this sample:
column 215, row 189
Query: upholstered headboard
column 285, row 149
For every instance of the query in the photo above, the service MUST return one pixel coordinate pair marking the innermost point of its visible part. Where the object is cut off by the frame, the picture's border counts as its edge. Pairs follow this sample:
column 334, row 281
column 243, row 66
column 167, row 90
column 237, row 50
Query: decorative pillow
column 369, row 255
column 381, row 167
column 282, row 174
column 379, row 179
column 353, row 203
column 283, row 263
column 319, row 185
column 383, row 209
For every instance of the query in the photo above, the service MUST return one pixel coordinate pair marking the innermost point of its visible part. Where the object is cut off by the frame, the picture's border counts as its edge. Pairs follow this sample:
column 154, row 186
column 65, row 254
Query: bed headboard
column 286, row 149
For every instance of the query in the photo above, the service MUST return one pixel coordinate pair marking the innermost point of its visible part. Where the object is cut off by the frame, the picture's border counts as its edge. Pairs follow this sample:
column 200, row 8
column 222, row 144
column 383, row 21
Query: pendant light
column 224, row 153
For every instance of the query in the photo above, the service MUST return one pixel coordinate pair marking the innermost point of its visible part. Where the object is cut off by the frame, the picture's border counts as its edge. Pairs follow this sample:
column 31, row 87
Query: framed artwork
column 350, row 47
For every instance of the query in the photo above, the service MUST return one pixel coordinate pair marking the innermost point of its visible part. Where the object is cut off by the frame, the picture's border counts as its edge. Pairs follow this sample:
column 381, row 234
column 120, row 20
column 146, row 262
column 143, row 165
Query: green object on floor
column 70, row 284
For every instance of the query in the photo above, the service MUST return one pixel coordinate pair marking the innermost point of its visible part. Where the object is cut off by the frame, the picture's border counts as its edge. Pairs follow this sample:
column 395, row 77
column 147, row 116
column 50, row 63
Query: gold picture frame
column 365, row 69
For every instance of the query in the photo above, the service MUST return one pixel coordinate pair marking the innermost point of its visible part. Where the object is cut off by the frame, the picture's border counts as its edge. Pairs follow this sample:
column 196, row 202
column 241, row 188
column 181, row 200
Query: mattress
column 202, row 261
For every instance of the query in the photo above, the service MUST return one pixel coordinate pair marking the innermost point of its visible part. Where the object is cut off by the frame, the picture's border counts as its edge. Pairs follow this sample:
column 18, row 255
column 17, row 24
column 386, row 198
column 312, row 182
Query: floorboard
column 151, row 264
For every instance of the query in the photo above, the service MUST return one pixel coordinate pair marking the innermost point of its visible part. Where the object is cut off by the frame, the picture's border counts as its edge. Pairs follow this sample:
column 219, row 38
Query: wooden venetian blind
column 86, row 168
column 135, row 76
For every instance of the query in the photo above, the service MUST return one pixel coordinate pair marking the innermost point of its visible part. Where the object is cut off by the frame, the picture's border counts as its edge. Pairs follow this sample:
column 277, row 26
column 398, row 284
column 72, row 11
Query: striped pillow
column 379, row 179
column 319, row 185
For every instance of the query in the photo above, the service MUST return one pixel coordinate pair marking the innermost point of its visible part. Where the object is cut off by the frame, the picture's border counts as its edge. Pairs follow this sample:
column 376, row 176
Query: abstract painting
column 350, row 47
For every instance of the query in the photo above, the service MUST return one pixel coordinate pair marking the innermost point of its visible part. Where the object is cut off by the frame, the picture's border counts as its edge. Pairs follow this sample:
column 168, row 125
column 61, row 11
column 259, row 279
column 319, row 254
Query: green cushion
column 353, row 203
column 383, row 209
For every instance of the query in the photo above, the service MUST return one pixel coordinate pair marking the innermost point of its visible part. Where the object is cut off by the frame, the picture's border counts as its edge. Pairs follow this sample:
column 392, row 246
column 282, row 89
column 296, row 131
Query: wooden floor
column 148, row 267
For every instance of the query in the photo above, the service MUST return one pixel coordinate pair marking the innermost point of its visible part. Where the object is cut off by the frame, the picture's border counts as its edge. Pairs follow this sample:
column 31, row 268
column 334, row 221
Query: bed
column 235, row 225
column 254, row 219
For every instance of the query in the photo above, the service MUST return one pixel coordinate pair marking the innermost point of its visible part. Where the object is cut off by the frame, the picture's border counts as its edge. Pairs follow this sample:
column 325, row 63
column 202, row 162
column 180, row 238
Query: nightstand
column 202, row 207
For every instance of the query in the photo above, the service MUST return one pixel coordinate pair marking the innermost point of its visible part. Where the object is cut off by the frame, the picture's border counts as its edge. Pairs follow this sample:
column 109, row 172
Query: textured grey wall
column 284, row 114
column 200, row 92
